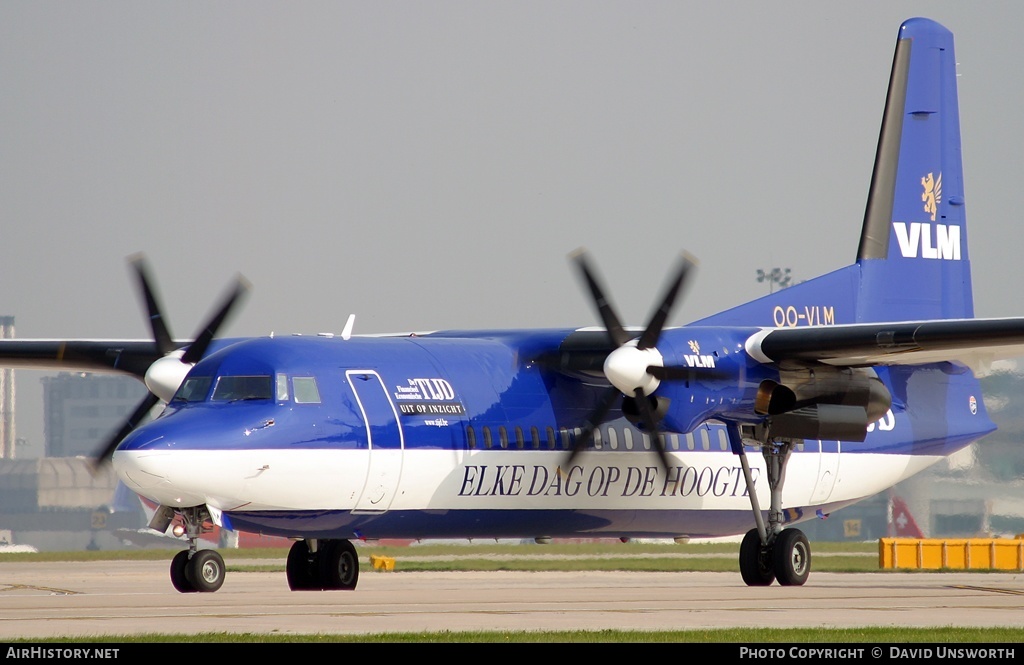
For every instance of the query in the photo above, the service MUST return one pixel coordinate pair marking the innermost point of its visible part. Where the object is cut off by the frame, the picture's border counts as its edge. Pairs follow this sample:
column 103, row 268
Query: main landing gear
column 769, row 552
column 318, row 565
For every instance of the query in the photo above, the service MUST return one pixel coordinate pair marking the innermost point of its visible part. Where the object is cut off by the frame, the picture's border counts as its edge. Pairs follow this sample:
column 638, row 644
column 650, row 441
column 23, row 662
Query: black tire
column 755, row 562
column 792, row 556
column 206, row 571
column 302, row 569
column 179, row 578
column 339, row 565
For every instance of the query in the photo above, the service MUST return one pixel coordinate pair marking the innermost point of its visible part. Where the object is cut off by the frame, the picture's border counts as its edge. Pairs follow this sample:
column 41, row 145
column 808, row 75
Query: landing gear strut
column 195, row 569
column 769, row 552
column 316, row 565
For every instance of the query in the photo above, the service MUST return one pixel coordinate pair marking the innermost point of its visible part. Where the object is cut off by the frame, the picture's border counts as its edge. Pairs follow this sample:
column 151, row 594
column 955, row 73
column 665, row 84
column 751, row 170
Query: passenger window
column 487, row 438
column 551, row 438
column 470, row 437
column 306, row 391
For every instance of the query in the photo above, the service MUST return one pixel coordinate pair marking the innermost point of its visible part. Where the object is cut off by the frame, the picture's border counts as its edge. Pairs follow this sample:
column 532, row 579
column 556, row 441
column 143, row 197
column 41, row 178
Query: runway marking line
column 1012, row 592
column 30, row 587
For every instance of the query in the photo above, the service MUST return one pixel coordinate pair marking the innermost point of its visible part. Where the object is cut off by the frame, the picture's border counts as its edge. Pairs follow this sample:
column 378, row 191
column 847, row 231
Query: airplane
column 744, row 423
column 901, row 522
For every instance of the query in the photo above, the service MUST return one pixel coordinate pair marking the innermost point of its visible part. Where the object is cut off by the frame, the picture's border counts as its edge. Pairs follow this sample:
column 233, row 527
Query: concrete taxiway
column 49, row 600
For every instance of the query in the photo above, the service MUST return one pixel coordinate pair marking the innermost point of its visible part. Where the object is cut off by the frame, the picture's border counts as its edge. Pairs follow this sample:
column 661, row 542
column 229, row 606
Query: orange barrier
column 382, row 562
column 952, row 553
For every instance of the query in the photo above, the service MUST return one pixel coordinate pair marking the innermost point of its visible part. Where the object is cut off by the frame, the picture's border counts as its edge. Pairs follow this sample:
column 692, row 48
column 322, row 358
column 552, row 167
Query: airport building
column 81, row 409
column 59, row 502
column 8, row 438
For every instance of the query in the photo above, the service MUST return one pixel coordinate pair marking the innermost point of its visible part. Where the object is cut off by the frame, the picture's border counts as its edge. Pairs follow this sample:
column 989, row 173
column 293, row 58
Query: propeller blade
column 197, row 349
column 164, row 344
column 653, row 331
column 144, row 407
column 684, row 373
column 161, row 334
column 667, row 373
column 628, row 369
column 616, row 332
column 594, row 421
column 647, row 414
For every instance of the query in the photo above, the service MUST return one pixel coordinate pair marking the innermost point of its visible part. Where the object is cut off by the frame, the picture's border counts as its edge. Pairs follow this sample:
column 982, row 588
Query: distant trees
column 1001, row 454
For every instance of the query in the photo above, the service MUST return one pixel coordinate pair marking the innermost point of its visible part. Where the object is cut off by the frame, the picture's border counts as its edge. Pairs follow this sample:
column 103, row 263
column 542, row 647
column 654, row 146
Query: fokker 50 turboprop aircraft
column 747, row 422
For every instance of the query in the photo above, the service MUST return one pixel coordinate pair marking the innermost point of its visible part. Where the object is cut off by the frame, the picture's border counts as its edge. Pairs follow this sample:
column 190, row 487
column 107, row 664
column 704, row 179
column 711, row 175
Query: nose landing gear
column 195, row 569
column 200, row 570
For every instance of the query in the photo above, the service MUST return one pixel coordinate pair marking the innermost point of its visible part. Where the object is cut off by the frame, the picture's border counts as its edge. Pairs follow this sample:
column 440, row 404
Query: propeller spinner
column 165, row 375
column 635, row 368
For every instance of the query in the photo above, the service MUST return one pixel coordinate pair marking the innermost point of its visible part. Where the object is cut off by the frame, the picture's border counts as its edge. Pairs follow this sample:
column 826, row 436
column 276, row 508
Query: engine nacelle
column 822, row 402
column 831, row 422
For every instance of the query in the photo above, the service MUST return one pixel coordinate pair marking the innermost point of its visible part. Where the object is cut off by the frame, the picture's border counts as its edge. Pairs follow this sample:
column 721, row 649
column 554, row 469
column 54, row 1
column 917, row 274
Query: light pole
column 775, row 276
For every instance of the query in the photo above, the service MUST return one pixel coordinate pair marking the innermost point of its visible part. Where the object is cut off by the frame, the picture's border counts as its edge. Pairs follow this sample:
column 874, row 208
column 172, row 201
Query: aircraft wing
column 129, row 356
column 972, row 342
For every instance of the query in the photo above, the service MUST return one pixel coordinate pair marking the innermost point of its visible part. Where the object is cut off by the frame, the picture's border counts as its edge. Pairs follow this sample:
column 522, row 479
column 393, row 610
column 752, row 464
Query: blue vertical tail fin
column 913, row 248
column 912, row 262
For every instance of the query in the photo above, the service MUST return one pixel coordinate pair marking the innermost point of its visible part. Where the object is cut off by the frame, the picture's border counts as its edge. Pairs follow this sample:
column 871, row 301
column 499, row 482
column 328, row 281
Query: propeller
column 635, row 367
column 166, row 373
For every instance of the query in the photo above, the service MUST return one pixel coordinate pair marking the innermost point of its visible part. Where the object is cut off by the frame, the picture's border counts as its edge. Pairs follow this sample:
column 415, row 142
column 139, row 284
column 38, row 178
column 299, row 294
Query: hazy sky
column 430, row 165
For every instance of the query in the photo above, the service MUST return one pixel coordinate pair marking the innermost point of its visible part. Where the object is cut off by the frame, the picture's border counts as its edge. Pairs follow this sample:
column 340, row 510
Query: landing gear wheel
column 791, row 555
column 205, row 570
column 339, row 565
column 302, row 568
column 178, row 576
column 756, row 565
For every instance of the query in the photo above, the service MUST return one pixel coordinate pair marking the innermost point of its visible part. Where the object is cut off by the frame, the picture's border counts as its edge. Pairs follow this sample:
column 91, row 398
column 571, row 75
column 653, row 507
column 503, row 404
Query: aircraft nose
column 140, row 471
column 146, row 463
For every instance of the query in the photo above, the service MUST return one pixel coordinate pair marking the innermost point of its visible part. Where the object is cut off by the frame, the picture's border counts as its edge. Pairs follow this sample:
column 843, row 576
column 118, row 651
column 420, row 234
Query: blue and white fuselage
column 448, row 435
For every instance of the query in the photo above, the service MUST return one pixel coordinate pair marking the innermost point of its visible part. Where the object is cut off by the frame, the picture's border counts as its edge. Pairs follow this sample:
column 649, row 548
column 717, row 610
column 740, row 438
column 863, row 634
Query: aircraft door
column 385, row 439
column 828, row 470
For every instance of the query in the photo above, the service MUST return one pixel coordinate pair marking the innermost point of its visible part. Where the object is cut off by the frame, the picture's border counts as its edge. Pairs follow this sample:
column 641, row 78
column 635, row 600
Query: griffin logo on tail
column 932, row 194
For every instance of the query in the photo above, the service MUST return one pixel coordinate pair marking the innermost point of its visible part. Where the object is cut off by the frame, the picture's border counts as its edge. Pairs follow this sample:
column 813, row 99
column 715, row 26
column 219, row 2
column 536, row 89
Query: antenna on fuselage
column 347, row 332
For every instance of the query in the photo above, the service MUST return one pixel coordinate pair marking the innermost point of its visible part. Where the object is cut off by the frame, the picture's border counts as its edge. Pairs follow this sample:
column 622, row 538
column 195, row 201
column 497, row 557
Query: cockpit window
column 232, row 388
column 193, row 389
column 305, row 390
